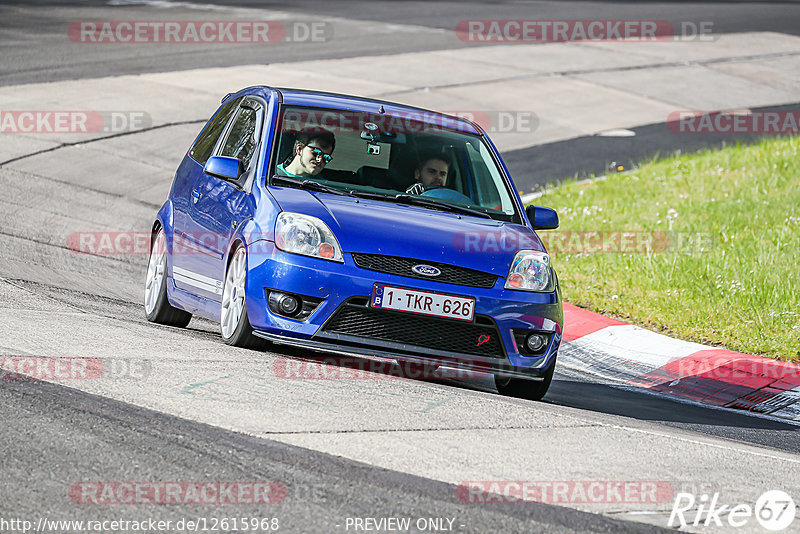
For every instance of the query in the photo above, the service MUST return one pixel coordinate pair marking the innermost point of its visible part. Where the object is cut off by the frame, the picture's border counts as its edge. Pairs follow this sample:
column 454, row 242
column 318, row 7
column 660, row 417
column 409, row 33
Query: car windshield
column 420, row 159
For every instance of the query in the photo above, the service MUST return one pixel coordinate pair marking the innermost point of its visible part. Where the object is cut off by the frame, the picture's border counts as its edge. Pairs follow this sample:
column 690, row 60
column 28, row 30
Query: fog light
column 283, row 304
column 535, row 342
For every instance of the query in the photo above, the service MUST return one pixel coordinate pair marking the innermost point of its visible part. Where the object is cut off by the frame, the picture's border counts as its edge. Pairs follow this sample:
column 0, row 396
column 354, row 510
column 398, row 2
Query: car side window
column 241, row 140
column 204, row 146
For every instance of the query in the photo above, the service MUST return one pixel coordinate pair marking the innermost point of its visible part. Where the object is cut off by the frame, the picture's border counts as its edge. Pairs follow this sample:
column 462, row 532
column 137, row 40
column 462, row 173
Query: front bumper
column 340, row 285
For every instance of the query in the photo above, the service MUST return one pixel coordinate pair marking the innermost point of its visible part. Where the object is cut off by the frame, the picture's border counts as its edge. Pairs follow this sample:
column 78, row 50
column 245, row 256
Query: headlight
column 306, row 235
column 530, row 271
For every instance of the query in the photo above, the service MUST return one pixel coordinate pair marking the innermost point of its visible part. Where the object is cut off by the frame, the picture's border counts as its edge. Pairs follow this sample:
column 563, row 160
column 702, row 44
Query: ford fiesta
column 358, row 227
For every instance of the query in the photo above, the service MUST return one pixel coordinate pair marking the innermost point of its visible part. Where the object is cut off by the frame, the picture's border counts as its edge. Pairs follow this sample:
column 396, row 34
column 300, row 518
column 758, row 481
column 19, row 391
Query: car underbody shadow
column 648, row 406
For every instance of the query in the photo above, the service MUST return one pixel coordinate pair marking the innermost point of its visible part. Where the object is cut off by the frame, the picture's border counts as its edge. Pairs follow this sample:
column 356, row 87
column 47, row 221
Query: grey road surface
column 376, row 446
column 33, row 49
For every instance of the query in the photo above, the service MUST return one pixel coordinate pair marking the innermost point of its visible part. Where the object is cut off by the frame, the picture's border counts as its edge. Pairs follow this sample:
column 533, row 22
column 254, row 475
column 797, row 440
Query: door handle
column 195, row 195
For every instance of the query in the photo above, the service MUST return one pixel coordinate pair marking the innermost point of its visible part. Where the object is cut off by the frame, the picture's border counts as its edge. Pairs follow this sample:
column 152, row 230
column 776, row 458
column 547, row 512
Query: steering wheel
column 445, row 193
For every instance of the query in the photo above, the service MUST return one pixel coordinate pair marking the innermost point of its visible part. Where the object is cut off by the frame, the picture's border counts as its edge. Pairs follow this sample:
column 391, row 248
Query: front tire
column 523, row 388
column 234, row 323
column 156, row 305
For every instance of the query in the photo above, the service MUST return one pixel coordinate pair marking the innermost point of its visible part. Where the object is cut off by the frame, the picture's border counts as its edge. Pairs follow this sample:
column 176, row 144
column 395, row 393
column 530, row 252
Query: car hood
column 376, row 227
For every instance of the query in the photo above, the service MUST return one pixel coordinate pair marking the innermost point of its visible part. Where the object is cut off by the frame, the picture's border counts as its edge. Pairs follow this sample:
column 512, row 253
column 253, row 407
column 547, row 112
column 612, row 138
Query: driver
column 431, row 172
column 312, row 151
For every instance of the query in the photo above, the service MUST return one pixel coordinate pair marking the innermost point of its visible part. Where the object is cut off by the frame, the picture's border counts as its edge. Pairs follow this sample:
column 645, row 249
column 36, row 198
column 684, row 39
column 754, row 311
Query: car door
column 219, row 206
column 186, row 252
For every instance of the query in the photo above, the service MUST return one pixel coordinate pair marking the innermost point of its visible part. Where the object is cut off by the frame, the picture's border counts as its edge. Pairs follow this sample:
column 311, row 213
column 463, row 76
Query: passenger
column 311, row 153
column 431, row 172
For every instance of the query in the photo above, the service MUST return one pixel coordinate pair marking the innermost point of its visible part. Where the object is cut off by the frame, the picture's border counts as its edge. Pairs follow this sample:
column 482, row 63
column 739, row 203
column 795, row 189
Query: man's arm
column 416, row 189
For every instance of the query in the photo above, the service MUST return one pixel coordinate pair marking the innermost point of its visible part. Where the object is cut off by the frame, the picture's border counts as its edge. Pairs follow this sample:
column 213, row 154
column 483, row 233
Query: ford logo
column 426, row 270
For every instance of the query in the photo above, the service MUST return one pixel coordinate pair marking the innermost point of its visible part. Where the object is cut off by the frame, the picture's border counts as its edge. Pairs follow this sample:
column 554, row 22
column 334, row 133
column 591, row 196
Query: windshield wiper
column 374, row 196
column 310, row 184
column 443, row 206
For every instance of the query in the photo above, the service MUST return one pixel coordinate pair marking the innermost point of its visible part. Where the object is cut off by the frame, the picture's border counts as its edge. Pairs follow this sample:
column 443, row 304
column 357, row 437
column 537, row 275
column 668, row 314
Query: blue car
column 358, row 227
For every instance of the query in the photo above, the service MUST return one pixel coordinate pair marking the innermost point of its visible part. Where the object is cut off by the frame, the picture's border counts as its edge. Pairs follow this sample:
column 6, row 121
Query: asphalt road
column 33, row 49
column 57, row 435
column 540, row 165
column 372, row 448
column 32, row 45
column 63, row 435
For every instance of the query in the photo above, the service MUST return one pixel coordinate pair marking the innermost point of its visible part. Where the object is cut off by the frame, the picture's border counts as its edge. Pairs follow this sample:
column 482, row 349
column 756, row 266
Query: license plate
column 423, row 302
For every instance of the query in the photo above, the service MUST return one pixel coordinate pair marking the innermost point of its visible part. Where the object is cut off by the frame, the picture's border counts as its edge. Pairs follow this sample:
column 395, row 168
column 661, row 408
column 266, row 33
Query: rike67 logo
column 774, row 510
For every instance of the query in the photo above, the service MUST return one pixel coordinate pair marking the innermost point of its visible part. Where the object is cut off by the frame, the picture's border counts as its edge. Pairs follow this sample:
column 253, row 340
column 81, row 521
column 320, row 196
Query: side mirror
column 542, row 218
column 223, row 167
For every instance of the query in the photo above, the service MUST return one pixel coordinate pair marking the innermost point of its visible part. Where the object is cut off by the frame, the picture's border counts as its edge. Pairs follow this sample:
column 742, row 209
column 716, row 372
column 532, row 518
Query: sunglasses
column 318, row 153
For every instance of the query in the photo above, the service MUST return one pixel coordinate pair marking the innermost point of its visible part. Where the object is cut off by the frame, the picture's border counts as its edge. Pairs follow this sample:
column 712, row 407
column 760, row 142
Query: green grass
column 737, row 284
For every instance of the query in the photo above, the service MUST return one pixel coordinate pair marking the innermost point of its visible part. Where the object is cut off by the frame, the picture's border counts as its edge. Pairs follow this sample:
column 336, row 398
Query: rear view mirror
column 384, row 137
column 223, row 167
column 542, row 218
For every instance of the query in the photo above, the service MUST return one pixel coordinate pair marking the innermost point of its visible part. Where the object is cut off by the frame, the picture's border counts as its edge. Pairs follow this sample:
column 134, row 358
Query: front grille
column 402, row 267
column 420, row 331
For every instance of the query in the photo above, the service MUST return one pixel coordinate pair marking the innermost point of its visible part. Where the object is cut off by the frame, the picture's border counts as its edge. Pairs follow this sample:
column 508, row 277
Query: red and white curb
column 622, row 352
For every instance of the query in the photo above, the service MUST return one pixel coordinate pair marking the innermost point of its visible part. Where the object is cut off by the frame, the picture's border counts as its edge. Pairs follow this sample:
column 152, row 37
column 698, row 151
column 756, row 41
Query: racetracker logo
column 566, row 242
column 724, row 367
column 584, row 242
column 125, row 243
column 346, row 368
column 196, row 32
column 72, row 368
column 558, row 31
column 69, row 122
column 409, row 122
column 46, row 368
column 500, row 121
column 735, row 122
column 177, row 493
column 564, row 491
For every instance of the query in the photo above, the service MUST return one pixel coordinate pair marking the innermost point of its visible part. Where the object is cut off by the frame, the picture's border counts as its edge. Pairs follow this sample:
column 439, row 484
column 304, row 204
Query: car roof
column 303, row 97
